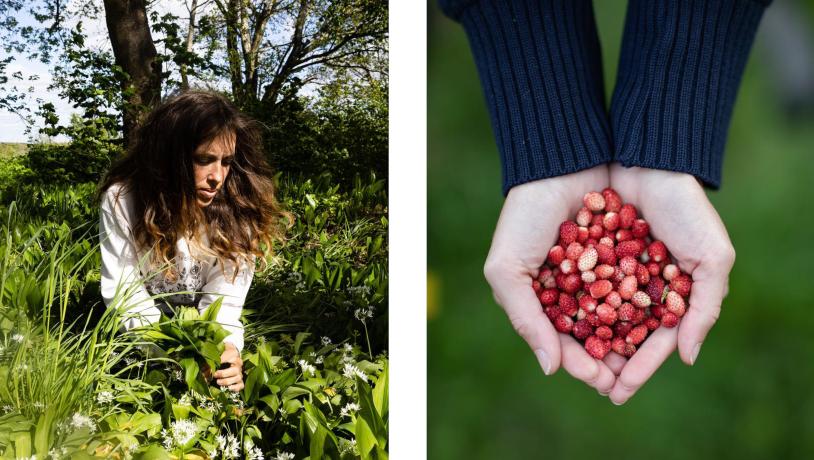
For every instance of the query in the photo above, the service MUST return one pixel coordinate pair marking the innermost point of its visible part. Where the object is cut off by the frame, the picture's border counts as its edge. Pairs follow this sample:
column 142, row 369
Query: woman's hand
column 231, row 377
column 528, row 226
column 680, row 215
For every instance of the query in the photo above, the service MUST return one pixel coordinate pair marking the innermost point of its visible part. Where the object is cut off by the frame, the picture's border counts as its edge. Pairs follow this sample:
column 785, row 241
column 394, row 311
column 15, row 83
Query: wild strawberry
column 593, row 319
column 609, row 242
column 604, row 332
column 670, row 271
column 594, row 201
column 556, row 255
column 613, row 299
column 675, row 304
column 588, row 276
column 640, row 228
column 582, row 330
column 544, row 274
column 613, row 202
column 626, row 312
column 572, row 283
column 637, row 335
column 644, row 258
column 568, row 232
column 596, row 232
column 640, row 300
column 657, row 251
column 537, row 287
column 642, row 275
column 568, row 304
column 581, row 314
column 568, row 266
column 573, row 251
column 597, row 219
column 628, row 265
column 669, row 320
column 587, row 260
column 623, row 235
column 552, row 311
column 588, row 303
column 584, row 217
column 549, row 296
column 655, row 289
column 605, row 254
column 606, row 313
column 638, row 316
column 600, row 288
column 657, row 311
column 563, row 324
column 682, row 284
column 628, row 287
column 652, row 323
column 629, row 350
column 621, row 328
column 597, row 347
column 604, row 271
column 653, row 268
column 627, row 215
column 611, row 221
column 582, row 235
column 629, row 248
column 618, row 345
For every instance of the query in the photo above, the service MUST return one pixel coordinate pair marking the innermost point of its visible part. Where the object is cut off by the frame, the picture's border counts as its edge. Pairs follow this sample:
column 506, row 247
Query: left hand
column 233, row 376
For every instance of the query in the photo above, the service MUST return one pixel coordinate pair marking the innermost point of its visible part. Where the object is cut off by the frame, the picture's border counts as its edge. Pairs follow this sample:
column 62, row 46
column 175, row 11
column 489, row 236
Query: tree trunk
column 190, row 41
column 135, row 53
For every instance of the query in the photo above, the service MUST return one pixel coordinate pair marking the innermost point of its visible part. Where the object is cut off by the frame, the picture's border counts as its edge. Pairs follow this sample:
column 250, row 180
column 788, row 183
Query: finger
column 236, row 387
column 577, row 362
column 706, row 296
column 643, row 364
column 228, row 372
column 615, row 362
column 229, row 381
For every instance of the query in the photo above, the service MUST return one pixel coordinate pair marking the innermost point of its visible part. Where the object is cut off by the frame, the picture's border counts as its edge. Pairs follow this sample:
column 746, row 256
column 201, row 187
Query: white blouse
column 125, row 272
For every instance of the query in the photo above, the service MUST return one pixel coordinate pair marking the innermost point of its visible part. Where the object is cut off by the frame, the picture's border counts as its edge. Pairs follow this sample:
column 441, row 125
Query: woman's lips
column 208, row 193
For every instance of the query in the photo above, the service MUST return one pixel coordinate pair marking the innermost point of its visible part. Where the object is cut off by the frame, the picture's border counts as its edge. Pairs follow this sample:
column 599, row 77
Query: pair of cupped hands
column 679, row 214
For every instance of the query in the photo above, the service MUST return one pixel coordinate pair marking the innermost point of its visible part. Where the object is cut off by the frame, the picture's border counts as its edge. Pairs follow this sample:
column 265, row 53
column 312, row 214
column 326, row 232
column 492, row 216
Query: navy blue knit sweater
column 540, row 66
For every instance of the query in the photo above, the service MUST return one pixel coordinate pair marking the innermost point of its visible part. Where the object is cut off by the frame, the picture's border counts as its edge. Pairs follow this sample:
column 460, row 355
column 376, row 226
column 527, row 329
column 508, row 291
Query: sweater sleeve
column 234, row 296
column 679, row 70
column 540, row 67
column 121, row 280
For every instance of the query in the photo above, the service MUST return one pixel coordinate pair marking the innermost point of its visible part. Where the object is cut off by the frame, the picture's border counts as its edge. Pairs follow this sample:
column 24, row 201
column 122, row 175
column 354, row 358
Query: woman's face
column 211, row 162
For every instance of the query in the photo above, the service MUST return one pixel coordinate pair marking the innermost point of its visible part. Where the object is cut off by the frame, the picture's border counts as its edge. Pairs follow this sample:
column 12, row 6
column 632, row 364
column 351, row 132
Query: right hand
column 527, row 228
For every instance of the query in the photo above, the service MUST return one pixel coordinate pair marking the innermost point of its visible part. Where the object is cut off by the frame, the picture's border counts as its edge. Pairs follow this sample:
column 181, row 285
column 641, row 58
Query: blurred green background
column 748, row 396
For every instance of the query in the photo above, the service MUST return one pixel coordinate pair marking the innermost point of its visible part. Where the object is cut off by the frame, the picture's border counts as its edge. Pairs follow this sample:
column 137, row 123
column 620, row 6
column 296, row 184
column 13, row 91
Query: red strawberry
column 682, row 284
column 655, row 288
column 628, row 265
column 626, row 312
column 544, row 274
column 658, row 311
column 627, row 215
column 563, row 324
column 568, row 304
column 638, row 316
column 642, row 275
column 600, row 288
column 628, row 287
column 604, row 332
column 584, row 217
column 629, row 248
column 537, row 287
column 653, row 268
column 588, row 303
column 604, row 271
column 613, row 299
column 572, row 283
column 640, row 228
column 629, row 350
column 556, row 255
column 605, row 254
column 606, row 313
column 657, row 251
column 597, row 347
column 611, row 221
column 621, row 328
column 582, row 330
column 637, row 335
column 669, row 320
column 652, row 323
column 618, row 345
column 587, row 260
column 552, row 311
column 670, row 271
column 569, row 231
column 597, row 220
column 593, row 319
column 549, row 296
column 675, row 304
column 573, row 251
column 594, row 201
column 613, row 202
column 582, row 235
column 640, row 300
column 623, row 235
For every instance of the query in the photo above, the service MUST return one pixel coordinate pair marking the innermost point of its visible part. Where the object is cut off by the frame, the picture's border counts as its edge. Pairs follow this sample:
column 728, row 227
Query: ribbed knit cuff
column 679, row 71
column 540, row 66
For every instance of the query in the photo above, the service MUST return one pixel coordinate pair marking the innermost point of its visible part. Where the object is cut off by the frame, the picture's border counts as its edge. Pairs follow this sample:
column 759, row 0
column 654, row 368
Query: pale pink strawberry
column 655, row 289
column 629, row 248
column 544, row 274
column 627, row 215
column 552, row 311
column 623, row 235
column 609, row 242
column 640, row 228
column 563, row 324
column 682, row 284
column 640, row 299
column 582, row 235
column 549, row 296
column 597, row 347
column 613, row 299
column 669, row 320
column 582, row 330
column 556, row 255
column 628, row 287
column 621, row 328
column 604, row 332
column 572, row 283
column 584, row 217
column 628, row 265
column 573, row 251
column 613, row 202
column 642, row 275
column 606, row 313
column 568, row 266
column 588, row 276
column 594, row 201
column 653, row 268
column 675, row 304
column 596, row 232
column 568, row 232
column 568, row 304
column 600, row 288
column 581, row 314
column 611, row 221
column 587, row 260
column 618, row 345
column 652, row 323
column 626, row 312
column 670, row 271
column 604, row 271
column 657, row 251
column 588, row 303
column 637, row 335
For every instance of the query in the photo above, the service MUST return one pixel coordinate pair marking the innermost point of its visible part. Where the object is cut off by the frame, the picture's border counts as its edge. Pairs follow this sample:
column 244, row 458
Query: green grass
column 747, row 397
column 11, row 150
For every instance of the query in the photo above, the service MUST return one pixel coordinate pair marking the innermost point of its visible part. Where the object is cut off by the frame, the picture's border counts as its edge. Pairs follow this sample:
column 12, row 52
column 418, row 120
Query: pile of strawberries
column 607, row 282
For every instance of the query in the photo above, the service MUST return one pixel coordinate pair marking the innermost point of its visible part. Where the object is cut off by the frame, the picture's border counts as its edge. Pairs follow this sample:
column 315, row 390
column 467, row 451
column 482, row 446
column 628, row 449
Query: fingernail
column 617, row 403
column 695, row 352
column 544, row 360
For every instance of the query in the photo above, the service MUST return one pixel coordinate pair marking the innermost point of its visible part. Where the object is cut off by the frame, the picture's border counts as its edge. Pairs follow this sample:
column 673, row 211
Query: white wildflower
column 178, row 375
column 283, row 456
column 167, row 439
column 185, row 400
column 39, row 405
column 183, row 431
column 252, row 452
column 104, row 397
column 349, row 371
column 18, row 338
column 326, row 340
column 7, row 408
column 319, row 360
column 349, row 409
column 229, row 446
column 307, row 368
column 347, row 348
column 283, row 413
column 78, row 421
column 348, row 446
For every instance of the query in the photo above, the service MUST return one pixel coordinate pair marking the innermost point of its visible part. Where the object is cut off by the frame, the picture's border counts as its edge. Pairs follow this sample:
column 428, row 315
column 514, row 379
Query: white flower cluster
column 307, row 368
column 348, row 446
column 326, row 341
column 359, row 290
column 349, row 371
column 180, row 433
column 78, row 421
column 18, row 338
column 55, row 454
column 252, row 452
column 283, row 456
column 228, row 446
column 362, row 314
column 349, row 409
column 104, row 397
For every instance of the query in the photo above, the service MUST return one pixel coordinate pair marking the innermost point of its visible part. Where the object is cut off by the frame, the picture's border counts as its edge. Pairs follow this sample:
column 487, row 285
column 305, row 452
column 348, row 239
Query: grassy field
column 9, row 150
column 747, row 397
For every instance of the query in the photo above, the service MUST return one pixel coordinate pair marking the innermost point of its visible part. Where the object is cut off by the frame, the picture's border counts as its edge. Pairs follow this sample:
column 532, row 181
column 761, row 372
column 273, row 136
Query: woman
column 186, row 211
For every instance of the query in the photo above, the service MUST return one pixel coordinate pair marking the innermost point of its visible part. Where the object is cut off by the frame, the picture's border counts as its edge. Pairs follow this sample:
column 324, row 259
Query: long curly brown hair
column 242, row 221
